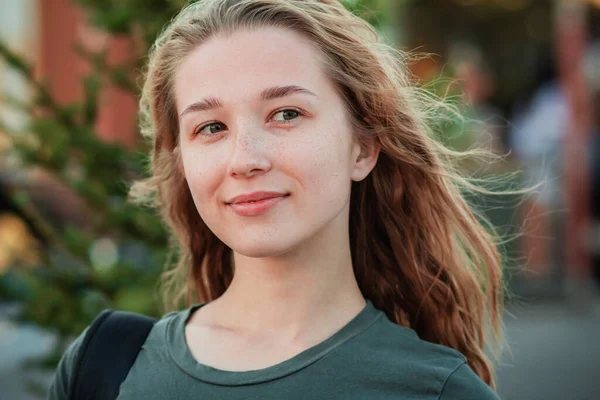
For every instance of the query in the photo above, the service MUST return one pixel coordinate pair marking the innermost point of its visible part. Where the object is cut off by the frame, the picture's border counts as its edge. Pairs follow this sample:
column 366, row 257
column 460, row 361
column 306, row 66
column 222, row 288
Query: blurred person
column 325, row 250
column 477, row 83
column 537, row 131
column 538, row 128
column 592, row 72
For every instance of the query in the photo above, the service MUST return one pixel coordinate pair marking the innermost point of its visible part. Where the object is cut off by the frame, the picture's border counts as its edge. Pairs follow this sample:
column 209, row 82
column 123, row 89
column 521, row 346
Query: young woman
column 321, row 230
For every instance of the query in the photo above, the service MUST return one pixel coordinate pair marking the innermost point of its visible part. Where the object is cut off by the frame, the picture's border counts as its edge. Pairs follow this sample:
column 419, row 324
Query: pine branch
column 119, row 76
column 44, row 97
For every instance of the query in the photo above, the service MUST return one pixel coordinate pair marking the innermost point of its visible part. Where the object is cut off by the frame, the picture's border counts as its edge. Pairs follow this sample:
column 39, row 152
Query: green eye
column 211, row 129
column 286, row 115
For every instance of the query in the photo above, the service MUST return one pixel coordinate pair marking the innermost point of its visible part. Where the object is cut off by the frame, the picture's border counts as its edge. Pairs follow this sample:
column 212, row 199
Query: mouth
column 256, row 203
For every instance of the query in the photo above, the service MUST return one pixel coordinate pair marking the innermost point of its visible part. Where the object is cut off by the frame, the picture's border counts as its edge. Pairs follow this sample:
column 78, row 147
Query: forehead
column 245, row 62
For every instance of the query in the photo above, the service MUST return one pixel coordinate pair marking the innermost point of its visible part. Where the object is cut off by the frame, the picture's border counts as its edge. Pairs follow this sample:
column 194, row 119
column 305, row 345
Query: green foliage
column 145, row 17
column 72, row 283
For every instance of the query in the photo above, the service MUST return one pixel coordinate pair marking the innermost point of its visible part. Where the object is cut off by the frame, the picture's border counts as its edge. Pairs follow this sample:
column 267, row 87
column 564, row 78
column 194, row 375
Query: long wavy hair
column 419, row 252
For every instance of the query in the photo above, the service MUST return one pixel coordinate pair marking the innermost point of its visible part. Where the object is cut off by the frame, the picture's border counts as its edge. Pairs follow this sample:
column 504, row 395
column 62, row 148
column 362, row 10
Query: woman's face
column 266, row 143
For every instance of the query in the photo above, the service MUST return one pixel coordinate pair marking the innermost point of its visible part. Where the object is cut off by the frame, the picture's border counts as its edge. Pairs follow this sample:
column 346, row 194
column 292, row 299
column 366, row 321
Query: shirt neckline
column 182, row 356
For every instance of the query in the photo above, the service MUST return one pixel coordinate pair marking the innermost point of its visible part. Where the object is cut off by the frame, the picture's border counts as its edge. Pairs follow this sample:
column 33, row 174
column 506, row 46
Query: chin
column 262, row 247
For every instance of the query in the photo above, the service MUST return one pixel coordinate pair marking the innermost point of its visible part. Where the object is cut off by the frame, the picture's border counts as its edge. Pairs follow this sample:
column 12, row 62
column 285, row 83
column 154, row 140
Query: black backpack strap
column 107, row 353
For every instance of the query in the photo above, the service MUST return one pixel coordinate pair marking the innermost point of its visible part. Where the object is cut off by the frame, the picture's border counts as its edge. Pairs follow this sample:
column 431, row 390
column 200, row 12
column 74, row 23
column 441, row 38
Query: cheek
column 325, row 162
column 202, row 171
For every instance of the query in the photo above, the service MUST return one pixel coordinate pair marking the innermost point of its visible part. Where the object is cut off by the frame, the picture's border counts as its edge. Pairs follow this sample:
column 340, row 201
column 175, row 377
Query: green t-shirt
column 369, row 358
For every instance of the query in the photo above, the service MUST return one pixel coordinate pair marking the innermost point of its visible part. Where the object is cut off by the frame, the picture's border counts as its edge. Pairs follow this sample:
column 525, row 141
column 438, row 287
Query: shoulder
column 464, row 384
column 165, row 327
column 399, row 344
column 397, row 357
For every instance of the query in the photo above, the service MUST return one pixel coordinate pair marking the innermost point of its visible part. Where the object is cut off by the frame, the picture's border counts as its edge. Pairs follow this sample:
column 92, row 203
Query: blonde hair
column 419, row 253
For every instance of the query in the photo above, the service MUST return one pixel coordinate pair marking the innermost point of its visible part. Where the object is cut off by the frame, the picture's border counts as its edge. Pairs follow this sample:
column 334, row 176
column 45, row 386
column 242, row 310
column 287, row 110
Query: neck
column 310, row 289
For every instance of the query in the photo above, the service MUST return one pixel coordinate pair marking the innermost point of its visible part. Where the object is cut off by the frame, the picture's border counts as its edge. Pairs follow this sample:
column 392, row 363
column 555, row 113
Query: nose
column 249, row 154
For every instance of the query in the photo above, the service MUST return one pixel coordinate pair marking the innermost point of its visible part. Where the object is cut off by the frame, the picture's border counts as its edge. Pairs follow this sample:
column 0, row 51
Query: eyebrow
column 274, row 92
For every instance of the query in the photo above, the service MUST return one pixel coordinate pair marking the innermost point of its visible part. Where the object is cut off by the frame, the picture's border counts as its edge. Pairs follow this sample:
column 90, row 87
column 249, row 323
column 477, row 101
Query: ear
column 365, row 158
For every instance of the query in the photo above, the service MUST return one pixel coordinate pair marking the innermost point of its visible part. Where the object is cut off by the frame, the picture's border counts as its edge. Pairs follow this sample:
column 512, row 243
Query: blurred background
column 524, row 73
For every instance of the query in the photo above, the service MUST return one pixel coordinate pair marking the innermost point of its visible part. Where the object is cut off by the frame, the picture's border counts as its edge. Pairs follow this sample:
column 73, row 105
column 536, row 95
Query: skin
column 293, row 285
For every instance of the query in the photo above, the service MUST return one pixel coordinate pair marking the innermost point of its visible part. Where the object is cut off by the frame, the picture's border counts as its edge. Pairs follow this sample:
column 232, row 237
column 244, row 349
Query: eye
column 286, row 115
column 210, row 129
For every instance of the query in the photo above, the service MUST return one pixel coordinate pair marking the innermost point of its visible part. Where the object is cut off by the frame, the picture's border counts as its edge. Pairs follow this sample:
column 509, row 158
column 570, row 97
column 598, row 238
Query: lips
column 255, row 203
